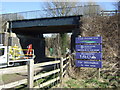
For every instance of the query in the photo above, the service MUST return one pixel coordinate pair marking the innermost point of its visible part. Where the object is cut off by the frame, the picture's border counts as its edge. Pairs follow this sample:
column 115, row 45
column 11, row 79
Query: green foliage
column 96, row 83
column 45, row 79
column 22, row 87
column 72, row 83
column 39, row 81
column 92, row 83
column 64, row 44
column 114, row 81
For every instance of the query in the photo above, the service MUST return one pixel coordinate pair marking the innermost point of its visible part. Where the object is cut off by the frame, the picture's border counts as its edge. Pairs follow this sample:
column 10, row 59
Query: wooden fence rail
column 110, row 12
column 13, row 84
column 47, row 83
column 30, row 68
column 12, row 70
column 46, row 74
column 46, row 63
column 21, row 69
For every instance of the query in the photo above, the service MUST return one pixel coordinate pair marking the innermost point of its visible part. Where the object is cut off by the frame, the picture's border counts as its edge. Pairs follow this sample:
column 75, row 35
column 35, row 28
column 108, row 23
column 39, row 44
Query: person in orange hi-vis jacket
column 29, row 51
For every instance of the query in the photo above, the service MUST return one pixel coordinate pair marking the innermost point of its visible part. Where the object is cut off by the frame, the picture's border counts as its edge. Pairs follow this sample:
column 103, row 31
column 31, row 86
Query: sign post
column 88, row 48
column 89, row 55
column 99, row 69
column 92, row 64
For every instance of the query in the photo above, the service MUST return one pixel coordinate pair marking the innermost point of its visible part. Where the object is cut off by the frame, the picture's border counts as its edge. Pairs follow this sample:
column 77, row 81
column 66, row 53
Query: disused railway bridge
column 30, row 31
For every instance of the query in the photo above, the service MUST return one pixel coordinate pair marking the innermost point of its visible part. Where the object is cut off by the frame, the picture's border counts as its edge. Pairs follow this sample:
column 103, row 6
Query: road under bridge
column 30, row 31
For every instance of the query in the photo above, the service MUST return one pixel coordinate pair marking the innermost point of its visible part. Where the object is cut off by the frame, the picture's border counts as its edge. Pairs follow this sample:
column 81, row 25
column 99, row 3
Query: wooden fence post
column 102, row 12
column 61, row 70
column 30, row 73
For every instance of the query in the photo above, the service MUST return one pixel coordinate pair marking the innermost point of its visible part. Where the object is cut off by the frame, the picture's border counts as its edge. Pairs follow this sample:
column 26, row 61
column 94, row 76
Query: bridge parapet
column 78, row 10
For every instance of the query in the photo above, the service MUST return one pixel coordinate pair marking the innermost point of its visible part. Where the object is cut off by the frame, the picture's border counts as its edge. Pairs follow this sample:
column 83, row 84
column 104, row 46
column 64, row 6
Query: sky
column 12, row 7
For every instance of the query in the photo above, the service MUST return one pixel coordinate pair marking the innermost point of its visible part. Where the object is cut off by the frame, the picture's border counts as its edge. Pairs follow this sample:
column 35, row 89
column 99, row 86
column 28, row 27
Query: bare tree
column 8, row 17
column 54, row 9
column 0, row 23
column 116, row 5
column 119, row 5
column 92, row 9
column 60, row 9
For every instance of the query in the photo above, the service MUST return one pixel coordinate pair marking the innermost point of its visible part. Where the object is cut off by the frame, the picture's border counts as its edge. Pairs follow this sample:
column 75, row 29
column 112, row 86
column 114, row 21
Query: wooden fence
column 31, row 67
column 110, row 12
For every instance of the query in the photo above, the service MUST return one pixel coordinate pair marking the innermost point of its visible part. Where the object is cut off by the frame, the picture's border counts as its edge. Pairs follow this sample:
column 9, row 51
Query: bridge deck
column 45, row 25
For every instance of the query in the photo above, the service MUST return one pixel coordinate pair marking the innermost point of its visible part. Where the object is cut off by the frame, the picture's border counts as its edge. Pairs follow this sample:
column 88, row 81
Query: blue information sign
column 88, row 40
column 88, row 47
column 92, row 64
column 92, row 56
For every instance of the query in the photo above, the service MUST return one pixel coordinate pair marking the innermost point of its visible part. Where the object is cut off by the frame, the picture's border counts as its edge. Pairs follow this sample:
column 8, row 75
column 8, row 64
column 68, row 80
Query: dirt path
column 8, row 78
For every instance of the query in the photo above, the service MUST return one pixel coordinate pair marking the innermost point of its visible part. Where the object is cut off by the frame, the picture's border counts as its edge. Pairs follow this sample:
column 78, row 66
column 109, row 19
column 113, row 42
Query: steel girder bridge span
column 30, row 31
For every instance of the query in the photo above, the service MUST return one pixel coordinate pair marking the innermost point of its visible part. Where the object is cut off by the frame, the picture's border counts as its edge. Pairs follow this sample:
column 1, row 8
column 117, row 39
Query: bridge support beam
column 38, row 43
column 75, row 33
